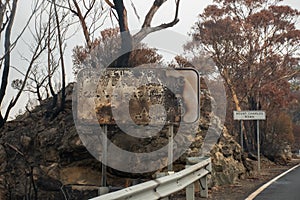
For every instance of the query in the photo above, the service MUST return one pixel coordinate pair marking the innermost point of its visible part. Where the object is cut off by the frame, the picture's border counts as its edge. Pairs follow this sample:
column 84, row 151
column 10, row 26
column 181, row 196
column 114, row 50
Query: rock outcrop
column 280, row 153
column 44, row 158
column 227, row 158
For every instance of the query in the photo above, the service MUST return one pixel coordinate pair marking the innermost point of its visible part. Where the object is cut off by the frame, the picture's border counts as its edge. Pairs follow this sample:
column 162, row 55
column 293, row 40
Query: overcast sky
column 189, row 10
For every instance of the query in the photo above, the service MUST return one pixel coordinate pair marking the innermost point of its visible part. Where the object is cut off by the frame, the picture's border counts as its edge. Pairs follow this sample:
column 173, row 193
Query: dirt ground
column 243, row 188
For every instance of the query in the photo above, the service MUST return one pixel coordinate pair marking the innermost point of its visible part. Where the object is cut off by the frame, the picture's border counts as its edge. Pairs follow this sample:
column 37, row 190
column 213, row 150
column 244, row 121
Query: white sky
column 189, row 10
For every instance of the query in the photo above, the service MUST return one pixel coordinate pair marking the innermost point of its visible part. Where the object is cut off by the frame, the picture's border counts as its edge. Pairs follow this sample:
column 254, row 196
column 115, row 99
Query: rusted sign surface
column 138, row 96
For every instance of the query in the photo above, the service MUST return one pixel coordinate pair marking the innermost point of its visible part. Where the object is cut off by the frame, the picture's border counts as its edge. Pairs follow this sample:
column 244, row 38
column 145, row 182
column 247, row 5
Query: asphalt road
column 285, row 188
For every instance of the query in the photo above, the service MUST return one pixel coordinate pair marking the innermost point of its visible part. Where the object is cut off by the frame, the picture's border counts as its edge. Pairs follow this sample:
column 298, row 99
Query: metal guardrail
column 197, row 169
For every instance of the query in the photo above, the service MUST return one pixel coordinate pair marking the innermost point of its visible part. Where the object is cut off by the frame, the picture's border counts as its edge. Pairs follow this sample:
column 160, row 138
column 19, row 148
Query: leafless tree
column 129, row 40
column 91, row 15
column 51, row 21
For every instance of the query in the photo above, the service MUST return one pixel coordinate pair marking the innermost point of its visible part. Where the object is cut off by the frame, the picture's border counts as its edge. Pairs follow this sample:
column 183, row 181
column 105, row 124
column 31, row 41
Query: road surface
column 285, row 188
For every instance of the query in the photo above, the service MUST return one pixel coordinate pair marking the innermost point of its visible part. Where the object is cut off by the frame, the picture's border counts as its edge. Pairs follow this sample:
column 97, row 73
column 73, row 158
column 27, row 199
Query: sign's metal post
column 242, row 137
column 258, row 146
column 104, row 157
column 170, row 147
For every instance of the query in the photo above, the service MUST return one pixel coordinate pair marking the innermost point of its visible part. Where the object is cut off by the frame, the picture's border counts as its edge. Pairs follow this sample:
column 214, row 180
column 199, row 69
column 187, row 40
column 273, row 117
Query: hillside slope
column 44, row 158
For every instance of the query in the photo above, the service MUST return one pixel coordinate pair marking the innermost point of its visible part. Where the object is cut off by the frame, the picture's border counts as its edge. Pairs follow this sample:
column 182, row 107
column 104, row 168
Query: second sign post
column 251, row 115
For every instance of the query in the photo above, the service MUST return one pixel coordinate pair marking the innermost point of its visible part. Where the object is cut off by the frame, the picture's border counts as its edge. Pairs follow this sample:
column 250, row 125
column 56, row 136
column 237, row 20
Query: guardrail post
column 190, row 192
column 190, row 189
column 103, row 190
column 203, row 183
column 203, row 187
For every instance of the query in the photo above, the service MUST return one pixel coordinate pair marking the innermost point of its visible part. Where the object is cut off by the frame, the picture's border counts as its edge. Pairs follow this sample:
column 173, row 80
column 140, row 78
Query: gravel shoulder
column 244, row 187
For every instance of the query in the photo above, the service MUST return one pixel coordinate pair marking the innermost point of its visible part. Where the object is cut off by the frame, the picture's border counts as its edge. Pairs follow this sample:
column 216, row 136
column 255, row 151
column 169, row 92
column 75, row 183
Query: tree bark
column 224, row 74
column 2, row 12
column 49, row 53
column 126, row 38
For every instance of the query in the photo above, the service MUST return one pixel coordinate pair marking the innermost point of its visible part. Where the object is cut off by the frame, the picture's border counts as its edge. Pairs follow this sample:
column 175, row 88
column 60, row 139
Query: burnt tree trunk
column 126, row 38
column 7, row 46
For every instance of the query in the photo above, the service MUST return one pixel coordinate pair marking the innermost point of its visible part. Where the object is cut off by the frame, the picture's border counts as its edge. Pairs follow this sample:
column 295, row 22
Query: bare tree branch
column 135, row 10
column 14, row 43
column 83, row 24
column 2, row 13
column 110, row 4
column 149, row 17
column 89, row 8
column 37, row 52
column 147, row 29
column 63, row 73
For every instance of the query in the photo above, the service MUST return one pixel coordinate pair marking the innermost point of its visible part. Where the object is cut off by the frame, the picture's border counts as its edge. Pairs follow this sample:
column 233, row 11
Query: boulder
column 227, row 162
column 280, row 153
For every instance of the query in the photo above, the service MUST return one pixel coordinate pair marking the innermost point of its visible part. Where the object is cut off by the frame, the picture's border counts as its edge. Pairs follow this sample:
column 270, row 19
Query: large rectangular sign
column 140, row 96
column 249, row 115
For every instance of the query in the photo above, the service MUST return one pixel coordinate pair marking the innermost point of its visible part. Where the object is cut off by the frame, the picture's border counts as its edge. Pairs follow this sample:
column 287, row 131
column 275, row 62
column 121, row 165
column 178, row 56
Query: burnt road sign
column 138, row 95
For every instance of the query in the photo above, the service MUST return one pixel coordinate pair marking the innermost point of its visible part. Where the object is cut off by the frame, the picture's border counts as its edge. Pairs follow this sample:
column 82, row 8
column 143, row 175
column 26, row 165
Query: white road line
column 259, row 190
